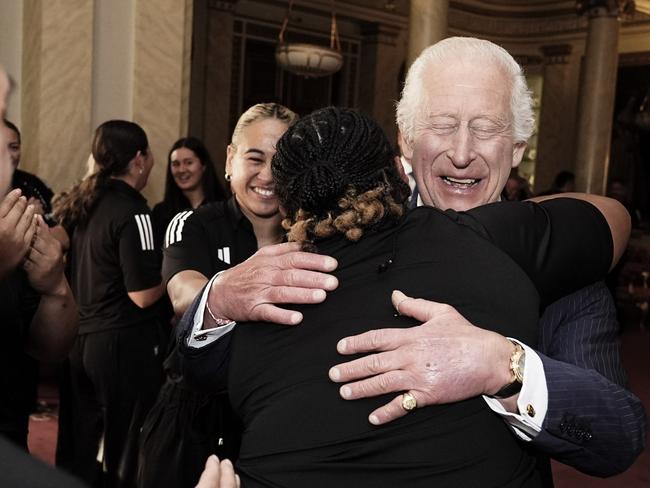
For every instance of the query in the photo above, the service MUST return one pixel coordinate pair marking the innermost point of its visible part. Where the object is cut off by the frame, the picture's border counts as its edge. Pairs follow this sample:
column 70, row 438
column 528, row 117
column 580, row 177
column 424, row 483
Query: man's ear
column 400, row 169
column 518, row 151
column 404, row 147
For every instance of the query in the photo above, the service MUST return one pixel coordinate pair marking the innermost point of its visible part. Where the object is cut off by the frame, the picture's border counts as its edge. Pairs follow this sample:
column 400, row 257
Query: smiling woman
column 190, row 183
column 186, row 425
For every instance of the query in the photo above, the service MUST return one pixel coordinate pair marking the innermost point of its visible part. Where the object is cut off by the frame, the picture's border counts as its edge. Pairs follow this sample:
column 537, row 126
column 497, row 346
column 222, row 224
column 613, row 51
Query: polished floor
column 635, row 346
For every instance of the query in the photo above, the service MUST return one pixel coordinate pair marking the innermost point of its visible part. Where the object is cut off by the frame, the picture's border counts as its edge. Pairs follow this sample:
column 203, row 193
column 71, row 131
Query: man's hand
column 273, row 275
column 444, row 360
column 44, row 262
column 218, row 474
column 17, row 228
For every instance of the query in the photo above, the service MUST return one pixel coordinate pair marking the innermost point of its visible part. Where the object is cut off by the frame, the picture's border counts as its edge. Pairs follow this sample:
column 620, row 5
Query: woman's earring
column 228, row 177
column 141, row 170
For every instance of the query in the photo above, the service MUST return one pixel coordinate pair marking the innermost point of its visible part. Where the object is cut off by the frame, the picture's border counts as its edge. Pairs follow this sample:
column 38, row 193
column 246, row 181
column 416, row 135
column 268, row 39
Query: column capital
column 604, row 8
column 556, row 53
column 225, row 5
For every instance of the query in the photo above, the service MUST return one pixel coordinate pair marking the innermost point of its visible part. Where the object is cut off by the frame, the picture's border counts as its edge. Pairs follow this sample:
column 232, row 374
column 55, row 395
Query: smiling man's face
column 463, row 147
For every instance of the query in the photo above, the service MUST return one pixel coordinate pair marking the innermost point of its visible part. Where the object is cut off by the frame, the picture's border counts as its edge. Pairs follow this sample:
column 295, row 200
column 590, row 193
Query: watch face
column 521, row 364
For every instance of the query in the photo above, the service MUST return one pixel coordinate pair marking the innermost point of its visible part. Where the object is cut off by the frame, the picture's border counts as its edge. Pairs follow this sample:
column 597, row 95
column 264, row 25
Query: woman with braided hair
column 342, row 196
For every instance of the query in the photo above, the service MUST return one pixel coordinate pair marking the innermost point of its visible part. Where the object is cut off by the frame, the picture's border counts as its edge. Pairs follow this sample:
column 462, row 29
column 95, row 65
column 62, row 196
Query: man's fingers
column 8, row 202
column 228, row 478
column 373, row 340
column 416, row 308
column 210, row 476
column 279, row 249
column 365, row 367
column 389, row 412
column 380, row 384
column 300, row 278
column 291, row 256
column 267, row 312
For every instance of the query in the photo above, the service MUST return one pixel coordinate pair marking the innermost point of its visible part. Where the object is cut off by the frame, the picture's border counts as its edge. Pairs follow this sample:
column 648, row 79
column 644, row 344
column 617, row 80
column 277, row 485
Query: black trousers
column 114, row 377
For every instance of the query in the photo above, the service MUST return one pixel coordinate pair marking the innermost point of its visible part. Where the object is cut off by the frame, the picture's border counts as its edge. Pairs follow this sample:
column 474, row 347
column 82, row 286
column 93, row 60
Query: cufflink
column 530, row 410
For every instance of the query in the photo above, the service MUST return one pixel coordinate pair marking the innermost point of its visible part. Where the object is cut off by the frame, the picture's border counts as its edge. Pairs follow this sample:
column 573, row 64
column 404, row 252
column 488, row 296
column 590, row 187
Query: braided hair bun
column 334, row 172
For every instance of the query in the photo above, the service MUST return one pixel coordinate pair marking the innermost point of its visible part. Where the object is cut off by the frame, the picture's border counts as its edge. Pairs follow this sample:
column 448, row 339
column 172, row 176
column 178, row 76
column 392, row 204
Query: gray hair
column 481, row 51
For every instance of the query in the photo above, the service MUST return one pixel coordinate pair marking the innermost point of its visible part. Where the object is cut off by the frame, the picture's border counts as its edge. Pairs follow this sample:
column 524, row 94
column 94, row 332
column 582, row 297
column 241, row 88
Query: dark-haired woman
column 335, row 178
column 115, row 369
column 190, row 183
column 185, row 425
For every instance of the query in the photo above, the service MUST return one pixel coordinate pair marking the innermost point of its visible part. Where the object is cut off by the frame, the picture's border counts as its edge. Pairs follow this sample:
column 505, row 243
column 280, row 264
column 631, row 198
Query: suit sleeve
column 592, row 423
column 205, row 368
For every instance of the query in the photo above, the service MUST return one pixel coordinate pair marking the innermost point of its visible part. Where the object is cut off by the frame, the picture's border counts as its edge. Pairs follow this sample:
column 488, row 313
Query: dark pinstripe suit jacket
column 593, row 423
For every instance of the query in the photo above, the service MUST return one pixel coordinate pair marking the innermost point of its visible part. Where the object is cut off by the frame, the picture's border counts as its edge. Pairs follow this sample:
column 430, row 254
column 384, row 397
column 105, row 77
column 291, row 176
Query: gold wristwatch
column 517, row 364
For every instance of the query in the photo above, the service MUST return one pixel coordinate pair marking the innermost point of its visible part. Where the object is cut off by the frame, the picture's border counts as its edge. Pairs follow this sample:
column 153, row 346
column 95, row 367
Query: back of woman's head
column 115, row 144
column 334, row 171
column 212, row 189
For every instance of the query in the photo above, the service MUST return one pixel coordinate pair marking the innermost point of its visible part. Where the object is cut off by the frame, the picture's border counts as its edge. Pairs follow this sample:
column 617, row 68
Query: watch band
column 516, row 369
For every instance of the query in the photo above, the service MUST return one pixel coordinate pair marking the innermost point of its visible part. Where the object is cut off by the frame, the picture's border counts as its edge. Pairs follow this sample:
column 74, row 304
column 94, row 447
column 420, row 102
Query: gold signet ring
column 409, row 402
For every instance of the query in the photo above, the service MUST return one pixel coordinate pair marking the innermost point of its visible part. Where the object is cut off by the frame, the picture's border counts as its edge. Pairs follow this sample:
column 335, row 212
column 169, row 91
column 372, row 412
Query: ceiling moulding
column 348, row 10
column 643, row 6
column 494, row 25
column 516, row 8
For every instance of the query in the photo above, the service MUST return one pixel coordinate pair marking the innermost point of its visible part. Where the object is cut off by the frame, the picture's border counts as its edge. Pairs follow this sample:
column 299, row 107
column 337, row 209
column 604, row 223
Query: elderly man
column 466, row 116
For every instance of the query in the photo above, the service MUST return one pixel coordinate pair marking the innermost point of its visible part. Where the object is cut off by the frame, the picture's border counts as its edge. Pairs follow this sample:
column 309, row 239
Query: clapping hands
column 44, row 261
column 17, row 229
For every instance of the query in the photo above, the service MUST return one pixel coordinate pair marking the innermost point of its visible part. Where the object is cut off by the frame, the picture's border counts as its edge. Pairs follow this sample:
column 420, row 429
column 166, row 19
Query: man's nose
column 461, row 153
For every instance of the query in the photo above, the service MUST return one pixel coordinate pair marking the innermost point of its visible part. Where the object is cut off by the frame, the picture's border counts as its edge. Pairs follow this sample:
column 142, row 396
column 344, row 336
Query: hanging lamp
column 309, row 60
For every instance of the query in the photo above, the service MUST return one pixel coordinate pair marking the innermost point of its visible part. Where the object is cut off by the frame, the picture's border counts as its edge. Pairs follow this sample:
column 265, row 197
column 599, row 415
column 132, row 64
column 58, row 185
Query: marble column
column 211, row 81
column 56, row 89
column 379, row 75
column 161, row 79
column 597, row 92
column 556, row 136
column 427, row 25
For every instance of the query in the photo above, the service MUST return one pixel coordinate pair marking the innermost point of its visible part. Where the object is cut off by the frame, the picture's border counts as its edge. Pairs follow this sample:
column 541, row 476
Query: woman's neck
column 267, row 230
column 195, row 197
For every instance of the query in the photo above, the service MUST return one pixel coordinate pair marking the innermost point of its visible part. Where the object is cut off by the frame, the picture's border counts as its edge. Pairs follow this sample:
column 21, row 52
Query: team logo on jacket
column 174, row 231
column 146, row 233
column 223, row 254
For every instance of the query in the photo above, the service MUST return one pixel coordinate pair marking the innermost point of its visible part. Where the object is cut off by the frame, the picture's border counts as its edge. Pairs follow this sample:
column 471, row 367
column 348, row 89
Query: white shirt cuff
column 532, row 402
column 202, row 337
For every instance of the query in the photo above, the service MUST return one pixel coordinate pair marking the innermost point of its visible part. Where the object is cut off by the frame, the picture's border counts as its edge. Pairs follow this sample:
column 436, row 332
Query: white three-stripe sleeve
column 149, row 232
column 174, row 231
column 143, row 239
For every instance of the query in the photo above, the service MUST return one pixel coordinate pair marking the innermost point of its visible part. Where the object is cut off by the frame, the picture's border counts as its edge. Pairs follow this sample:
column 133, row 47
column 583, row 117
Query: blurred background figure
column 34, row 189
column 565, row 181
column 517, row 189
column 618, row 190
column 190, row 182
column 115, row 366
